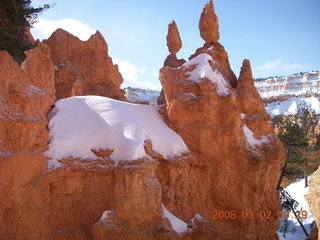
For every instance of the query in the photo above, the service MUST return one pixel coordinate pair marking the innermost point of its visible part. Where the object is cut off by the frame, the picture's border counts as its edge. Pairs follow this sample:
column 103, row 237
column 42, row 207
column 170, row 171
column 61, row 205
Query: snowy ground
column 289, row 106
column 295, row 232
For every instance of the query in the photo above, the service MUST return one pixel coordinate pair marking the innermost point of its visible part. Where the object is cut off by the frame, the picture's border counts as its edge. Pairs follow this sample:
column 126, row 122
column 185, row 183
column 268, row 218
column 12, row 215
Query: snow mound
column 177, row 224
column 79, row 124
column 289, row 106
column 204, row 70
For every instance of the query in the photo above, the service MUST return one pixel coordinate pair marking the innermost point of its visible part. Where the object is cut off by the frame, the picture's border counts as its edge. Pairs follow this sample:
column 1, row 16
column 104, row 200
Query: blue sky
column 279, row 37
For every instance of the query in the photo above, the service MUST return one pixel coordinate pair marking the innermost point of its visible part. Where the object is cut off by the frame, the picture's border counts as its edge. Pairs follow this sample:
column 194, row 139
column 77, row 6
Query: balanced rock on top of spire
column 208, row 25
column 174, row 42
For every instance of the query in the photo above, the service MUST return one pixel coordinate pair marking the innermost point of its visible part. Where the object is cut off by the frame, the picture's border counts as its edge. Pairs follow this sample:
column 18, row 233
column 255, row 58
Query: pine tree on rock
column 16, row 16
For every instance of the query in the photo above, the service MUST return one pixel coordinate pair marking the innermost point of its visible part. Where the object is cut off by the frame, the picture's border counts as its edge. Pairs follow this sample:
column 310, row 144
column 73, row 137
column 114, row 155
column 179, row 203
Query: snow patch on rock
column 197, row 217
column 177, row 224
column 204, row 70
column 106, row 214
column 251, row 139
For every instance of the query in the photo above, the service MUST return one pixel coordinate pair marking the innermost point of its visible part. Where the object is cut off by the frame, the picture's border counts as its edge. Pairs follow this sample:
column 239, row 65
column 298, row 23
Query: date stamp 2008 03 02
column 248, row 215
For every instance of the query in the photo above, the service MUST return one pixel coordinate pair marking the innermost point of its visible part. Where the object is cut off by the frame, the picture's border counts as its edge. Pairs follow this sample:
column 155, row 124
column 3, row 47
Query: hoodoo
column 83, row 67
column 223, row 119
column 99, row 168
column 174, row 44
column 208, row 25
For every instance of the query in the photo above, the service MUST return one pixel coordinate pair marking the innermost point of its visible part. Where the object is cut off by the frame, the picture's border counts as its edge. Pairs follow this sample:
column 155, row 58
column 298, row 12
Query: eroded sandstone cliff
column 230, row 160
column 27, row 94
column 83, row 67
column 223, row 119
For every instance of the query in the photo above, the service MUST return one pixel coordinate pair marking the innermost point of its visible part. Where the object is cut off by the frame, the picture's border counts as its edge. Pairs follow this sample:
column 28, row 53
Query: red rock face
column 231, row 132
column 38, row 203
column 234, row 164
column 27, row 94
column 83, row 67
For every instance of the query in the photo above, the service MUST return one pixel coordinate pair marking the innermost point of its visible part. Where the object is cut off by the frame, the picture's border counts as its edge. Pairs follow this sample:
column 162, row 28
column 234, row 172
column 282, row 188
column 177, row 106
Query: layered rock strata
column 275, row 89
column 283, row 94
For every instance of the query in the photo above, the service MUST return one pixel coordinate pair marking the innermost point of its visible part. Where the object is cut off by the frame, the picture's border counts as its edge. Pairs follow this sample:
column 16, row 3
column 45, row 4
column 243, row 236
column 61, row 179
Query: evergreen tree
column 294, row 139
column 307, row 119
column 296, row 134
column 15, row 17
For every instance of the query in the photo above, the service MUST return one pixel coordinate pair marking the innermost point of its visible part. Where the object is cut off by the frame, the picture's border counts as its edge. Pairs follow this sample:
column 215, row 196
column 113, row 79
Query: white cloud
column 155, row 73
column 279, row 65
column 294, row 66
column 143, row 69
column 130, row 74
column 128, row 70
column 44, row 28
column 271, row 65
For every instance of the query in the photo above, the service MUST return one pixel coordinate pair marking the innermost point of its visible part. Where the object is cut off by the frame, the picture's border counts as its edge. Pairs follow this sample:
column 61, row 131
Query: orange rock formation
column 174, row 44
column 233, row 165
column 223, row 119
column 208, row 25
column 27, row 94
column 83, row 67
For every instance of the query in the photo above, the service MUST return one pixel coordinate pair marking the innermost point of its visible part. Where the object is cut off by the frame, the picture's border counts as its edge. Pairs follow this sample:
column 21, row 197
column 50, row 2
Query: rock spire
column 208, row 25
column 174, row 42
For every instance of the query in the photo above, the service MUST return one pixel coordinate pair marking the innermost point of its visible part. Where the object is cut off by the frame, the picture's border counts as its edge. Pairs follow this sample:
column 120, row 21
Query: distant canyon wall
column 282, row 88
